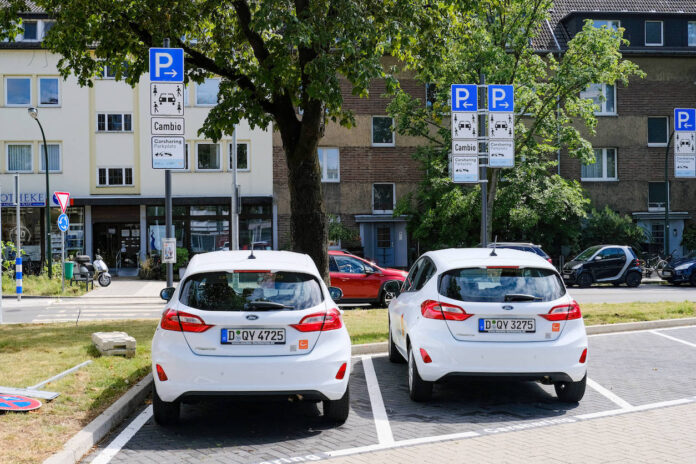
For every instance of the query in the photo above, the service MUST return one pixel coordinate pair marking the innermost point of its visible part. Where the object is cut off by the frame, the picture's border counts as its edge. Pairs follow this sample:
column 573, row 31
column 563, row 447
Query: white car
column 260, row 324
column 495, row 313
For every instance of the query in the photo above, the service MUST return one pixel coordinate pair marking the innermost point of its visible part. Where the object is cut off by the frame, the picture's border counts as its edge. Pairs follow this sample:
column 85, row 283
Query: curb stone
column 75, row 449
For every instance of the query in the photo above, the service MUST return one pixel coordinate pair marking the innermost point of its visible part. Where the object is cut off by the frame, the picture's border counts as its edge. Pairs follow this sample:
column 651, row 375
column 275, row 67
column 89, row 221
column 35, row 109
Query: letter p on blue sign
column 464, row 97
column 167, row 64
column 684, row 119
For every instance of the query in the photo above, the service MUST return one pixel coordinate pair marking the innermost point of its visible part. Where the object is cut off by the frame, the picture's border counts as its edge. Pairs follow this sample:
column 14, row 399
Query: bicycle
column 655, row 263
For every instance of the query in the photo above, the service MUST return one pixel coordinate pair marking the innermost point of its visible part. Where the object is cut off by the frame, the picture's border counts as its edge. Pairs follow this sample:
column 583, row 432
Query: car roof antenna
column 495, row 240
column 251, row 256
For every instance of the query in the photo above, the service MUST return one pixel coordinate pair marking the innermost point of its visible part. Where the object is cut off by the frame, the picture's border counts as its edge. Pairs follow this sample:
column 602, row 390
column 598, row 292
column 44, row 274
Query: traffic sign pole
column 484, row 175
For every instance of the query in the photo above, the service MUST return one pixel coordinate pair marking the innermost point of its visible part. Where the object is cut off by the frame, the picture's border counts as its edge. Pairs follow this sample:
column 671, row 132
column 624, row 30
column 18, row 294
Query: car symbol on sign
column 167, row 98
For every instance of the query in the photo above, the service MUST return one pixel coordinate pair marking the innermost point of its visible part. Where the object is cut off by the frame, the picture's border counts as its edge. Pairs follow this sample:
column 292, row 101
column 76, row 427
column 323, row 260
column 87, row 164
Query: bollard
column 18, row 276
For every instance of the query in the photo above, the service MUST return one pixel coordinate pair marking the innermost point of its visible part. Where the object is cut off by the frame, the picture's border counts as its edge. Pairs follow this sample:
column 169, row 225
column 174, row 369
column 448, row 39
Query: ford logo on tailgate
column 252, row 317
column 508, row 308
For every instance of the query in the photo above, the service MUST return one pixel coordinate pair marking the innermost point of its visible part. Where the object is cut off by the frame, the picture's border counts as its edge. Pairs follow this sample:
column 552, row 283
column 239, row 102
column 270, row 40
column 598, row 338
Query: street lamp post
column 34, row 113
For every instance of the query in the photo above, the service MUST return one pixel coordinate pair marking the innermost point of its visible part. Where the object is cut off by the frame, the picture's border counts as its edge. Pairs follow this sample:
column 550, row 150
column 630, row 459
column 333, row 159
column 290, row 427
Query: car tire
column 418, row 389
column 165, row 413
column 571, row 392
column 337, row 411
column 387, row 294
column 692, row 279
column 584, row 280
column 633, row 279
column 394, row 355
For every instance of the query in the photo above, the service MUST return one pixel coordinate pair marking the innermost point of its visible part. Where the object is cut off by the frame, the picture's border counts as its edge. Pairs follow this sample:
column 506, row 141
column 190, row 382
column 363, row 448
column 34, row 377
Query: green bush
column 689, row 237
column 609, row 227
column 153, row 269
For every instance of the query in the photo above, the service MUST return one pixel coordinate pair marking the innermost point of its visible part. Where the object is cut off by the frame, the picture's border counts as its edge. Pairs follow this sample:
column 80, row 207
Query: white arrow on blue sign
column 501, row 98
column 63, row 222
column 684, row 119
column 167, row 64
column 464, row 97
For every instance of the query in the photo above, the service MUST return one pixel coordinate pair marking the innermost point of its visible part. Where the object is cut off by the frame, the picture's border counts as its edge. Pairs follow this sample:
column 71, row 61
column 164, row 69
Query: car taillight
column 431, row 309
column 180, row 321
column 637, row 262
column 565, row 312
column 329, row 320
column 549, row 260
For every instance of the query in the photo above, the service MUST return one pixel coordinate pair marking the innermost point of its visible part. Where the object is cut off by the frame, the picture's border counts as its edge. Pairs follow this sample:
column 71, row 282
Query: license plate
column 666, row 273
column 239, row 336
column 566, row 276
column 507, row 325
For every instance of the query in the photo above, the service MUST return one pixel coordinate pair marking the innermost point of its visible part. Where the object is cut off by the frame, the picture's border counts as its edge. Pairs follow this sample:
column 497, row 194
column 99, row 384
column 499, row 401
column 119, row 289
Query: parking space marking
column 124, row 437
column 384, row 432
column 401, row 443
column 644, row 407
column 693, row 345
column 611, row 396
column 629, row 332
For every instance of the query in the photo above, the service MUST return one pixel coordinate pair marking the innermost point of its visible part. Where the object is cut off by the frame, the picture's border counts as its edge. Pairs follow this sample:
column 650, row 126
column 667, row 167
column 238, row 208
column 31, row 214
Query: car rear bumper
column 551, row 360
column 312, row 374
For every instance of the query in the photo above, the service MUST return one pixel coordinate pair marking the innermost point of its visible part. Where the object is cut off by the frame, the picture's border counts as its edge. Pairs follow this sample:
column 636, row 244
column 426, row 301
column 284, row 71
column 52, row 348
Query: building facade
column 98, row 141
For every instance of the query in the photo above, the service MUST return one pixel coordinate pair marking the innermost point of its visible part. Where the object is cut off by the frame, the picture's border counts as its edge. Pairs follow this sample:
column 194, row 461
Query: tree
column 608, row 226
column 494, row 38
column 276, row 58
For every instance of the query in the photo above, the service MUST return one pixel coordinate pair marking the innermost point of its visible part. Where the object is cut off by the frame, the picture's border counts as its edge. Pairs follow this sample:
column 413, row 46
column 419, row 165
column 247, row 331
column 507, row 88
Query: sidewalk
column 666, row 435
column 127, row 288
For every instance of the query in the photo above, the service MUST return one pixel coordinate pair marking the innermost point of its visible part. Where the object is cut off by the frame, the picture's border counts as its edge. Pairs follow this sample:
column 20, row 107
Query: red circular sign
column 18, row 403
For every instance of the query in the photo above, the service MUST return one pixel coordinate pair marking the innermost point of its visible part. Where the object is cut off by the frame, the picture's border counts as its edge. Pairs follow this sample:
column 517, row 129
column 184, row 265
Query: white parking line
column 384, row 432
column 693, row 345
column 630, row 332
column 126, row 434
column 611, row 396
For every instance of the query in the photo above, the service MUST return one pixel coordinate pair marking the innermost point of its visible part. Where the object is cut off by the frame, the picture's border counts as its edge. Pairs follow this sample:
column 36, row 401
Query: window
column 53, row 150
column 425, row 272
column 657, row 233
column 19, row 158
column 658, row 128
column 691, row 33
column 382, row 134
column 242, row 156
column 609, row 23
column 604, row 167
column 17, row 91
column 206, row 93
column 187, row 102
column 383, row 198
column 603, row 96
column 656, row 196
column 114, row 122
column 47, row 25
column 208, row 156
column 30, row 31
column 114, row 177
column 330, row 164
column 350, row 265
column 48, row 91
column 653, row 33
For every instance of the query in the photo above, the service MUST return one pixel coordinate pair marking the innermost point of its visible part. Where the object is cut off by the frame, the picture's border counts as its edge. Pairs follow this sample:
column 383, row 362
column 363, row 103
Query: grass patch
column 31, row 353
column 370, row 325
column 41, row 285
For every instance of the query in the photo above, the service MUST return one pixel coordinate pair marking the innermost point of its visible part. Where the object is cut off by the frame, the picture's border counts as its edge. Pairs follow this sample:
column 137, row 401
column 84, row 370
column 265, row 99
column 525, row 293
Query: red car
column 362, row 281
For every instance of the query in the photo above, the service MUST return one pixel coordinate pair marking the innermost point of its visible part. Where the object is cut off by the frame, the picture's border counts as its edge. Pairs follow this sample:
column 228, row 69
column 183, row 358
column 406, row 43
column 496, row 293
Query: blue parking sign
column 501, row 98
column 464, row 97
column 684, row 119
column 167, row 64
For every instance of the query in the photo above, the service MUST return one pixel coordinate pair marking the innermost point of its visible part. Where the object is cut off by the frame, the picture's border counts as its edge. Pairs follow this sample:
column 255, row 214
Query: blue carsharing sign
column 501, row 98
column 464, row 97
column 167, row 64
column 684, row 119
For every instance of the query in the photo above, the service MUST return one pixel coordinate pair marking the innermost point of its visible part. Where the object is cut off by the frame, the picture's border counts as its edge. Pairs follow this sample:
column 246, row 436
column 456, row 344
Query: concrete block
column 114, row 343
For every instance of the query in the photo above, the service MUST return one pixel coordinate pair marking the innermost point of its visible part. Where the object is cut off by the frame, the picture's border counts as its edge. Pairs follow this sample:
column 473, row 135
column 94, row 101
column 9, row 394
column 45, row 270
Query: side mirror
column 166, row 293
column 335, row 292
column 369, row 271
column 598, row 258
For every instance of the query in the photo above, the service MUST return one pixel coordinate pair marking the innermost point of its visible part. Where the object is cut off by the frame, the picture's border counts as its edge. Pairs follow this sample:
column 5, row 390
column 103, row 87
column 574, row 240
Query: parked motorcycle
column 98, row 269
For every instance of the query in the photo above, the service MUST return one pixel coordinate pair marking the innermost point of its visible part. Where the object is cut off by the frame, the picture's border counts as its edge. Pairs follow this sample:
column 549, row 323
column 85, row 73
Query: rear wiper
column 521, row 297
column 259, row 304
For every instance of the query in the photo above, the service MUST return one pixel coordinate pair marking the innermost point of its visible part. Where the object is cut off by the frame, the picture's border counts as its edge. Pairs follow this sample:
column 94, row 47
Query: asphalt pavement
column 622, row 294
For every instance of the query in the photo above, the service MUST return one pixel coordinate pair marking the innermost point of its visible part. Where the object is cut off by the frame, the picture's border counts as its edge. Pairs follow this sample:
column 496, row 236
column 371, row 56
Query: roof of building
column 32, row 7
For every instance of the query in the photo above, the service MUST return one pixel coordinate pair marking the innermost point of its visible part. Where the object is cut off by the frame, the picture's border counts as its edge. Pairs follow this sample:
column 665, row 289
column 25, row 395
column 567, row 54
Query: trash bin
column 68, row 269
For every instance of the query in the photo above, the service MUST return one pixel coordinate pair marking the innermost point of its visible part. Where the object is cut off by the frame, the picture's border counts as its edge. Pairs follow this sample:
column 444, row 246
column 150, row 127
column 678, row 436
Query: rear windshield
column 251, row 291
column 501, row 284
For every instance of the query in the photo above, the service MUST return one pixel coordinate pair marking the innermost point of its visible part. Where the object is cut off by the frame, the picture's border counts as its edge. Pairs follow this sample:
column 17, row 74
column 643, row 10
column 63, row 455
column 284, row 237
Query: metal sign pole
column 234, row 225
column 484, row 171
column 168, row 209
column 18, row 242
column 62, row 261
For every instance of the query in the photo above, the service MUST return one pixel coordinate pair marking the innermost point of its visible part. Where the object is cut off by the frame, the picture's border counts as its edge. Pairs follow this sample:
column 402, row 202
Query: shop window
column 114, row 122
column 603, row 96
column 691, row 33
column 207, row 92
column 382, row 133
column 330, row 164
column 209, row 235
column 658, row 130
column 656, row 196
column 54, row 158
column 604, row 167
column 17, row 91
column 49, row 91
column 242, row 156
column 114, row 177
column 208, row 156
column 653, row 33
column 383, row 200
column 19, row 158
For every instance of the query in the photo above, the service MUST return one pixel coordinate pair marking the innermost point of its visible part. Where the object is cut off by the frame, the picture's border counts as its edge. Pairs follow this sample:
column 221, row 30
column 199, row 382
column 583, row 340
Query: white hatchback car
column 479, row 312
column 260, row 324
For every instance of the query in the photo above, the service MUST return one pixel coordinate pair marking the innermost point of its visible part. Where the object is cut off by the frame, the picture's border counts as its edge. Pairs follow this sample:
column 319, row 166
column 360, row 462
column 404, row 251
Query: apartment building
column 98, row 141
